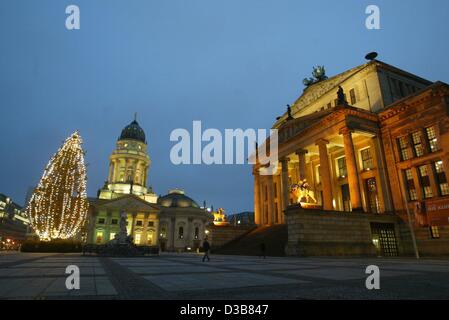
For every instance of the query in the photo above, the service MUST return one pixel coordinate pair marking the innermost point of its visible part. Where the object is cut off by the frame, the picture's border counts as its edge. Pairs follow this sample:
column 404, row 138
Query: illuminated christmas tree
column 58, row 206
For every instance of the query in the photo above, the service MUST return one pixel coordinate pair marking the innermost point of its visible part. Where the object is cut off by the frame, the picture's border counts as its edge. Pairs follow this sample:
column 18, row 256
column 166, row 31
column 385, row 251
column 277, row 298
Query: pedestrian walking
column 206, row 248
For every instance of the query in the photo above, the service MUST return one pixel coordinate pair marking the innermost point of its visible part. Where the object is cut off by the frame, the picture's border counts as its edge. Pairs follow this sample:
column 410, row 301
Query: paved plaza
column 185, row 276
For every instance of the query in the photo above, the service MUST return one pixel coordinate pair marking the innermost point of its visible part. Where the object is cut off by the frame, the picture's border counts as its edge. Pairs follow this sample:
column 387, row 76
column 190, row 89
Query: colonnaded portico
column 338, row 154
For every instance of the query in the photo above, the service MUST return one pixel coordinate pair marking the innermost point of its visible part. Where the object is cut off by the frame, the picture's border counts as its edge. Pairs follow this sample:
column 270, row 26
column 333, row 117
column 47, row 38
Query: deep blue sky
column 231, row 64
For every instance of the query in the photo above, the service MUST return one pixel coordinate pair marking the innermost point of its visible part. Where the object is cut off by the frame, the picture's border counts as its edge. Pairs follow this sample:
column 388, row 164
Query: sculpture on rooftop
column 318, row 73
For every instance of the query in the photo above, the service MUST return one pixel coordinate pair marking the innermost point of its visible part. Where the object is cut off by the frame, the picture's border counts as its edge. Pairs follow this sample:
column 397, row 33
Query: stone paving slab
column 45, row 272
column 217, row 281
column 339, row 274
column 174, row 269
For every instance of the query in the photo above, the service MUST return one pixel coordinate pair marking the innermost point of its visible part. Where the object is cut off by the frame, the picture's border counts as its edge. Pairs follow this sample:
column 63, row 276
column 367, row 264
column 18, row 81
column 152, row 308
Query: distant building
column 13, row 222
column 174, row 222
column 243, row 218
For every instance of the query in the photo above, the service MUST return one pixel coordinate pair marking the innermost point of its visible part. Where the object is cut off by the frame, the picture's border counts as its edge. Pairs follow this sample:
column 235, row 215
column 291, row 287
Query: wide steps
column 275, row 239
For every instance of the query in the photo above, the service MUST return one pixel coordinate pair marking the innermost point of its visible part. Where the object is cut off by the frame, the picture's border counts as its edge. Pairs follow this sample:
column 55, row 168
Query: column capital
column 321, row 142
column 346, row 130
column 284, row 160
column 301, row 152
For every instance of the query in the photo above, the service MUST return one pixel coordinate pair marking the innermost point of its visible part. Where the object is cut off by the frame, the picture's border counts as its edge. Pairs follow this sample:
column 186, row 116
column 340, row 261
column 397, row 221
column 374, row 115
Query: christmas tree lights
column 58, row 206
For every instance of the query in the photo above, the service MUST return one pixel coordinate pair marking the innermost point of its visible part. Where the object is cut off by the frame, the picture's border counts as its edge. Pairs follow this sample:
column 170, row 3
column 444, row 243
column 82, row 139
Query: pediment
column 129, row 203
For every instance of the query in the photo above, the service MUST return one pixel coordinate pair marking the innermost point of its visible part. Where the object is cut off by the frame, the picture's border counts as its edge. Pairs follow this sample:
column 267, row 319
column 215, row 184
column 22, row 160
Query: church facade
column 174, row 222
column 373, row 139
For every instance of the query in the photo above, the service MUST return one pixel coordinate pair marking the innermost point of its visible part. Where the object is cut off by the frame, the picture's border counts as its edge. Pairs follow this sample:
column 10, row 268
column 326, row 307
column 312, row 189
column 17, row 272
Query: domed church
column 174, row 222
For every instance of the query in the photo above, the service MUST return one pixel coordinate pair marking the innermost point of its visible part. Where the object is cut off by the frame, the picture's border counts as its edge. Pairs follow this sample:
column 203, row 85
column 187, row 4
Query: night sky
column 230, row 64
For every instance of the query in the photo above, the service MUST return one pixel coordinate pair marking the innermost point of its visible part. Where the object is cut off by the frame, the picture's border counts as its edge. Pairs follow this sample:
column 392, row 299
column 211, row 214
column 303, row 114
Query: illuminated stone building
column 175, row 221
column 358, row 151
column 14, row 224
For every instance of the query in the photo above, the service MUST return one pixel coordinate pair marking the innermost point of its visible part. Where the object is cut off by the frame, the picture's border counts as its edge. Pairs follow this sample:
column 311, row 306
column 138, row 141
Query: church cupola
column 129, row 165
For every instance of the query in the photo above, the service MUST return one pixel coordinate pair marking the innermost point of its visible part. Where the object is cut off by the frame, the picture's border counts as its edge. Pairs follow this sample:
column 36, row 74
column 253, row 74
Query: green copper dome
column 134, row 132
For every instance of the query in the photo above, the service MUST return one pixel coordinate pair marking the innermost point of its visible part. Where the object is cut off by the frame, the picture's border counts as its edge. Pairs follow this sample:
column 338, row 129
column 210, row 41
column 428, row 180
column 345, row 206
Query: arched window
column 181, row 232
column 197, row 233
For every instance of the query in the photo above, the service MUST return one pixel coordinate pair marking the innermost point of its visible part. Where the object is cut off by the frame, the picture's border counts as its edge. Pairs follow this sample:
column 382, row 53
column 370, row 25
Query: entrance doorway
column 372, row 195
column 346, row 199
column 384, row 239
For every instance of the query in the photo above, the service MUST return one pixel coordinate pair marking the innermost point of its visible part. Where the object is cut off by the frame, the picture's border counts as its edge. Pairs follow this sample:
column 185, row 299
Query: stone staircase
column 275, row 239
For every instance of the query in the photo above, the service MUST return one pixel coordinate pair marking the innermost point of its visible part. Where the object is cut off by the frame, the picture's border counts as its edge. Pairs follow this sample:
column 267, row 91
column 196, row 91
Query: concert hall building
column 370, row 143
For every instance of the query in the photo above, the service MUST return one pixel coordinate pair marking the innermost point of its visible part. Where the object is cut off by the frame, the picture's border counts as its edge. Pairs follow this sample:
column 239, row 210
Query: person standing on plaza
column 206, row 248
column 263, row 249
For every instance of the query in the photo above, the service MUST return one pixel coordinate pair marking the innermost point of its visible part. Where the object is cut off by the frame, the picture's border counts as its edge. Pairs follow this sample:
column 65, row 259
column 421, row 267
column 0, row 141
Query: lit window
column 417, row 144
column 432, row 139
column 425, row 181
column 434, row 232
column 137, row 238
column 99, row 236
column 163, row 233
column 181, row 233
column 441, row 178
column 342, row 170
column 112, row 235
column 403, row 148
column 367, row 159
column 410, row 184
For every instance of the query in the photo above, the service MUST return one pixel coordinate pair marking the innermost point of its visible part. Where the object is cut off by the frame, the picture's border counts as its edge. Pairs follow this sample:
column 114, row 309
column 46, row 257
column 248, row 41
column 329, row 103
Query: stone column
column 326, row 180
column 270, row 200
column 353, row 173
column 189, row 232
column 133, row 224
column 384, row 180
column 301, row 153
column 173, row 231
column 284, row 183
column 257, row 213
column 145, row 228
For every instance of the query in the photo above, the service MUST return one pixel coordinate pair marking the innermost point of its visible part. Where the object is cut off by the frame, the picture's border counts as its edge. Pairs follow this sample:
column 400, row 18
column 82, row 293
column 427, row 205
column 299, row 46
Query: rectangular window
column 352, row 96
column 342, row 170
column 367, row 159
column 425, row 181
column 318, row 174
column 441, row 178
column 410, row 184
column 403, row 148
column 114, row 221
column 137, row 238
column 139, row 223
column 434, row 232
column 417, row 144
column 151, row 223
column 432, row 139
column 101, row 220
column 112, row 236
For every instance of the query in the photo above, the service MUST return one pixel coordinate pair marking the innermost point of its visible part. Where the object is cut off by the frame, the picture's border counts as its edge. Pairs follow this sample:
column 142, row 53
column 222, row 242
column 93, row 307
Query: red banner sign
column 437, row 212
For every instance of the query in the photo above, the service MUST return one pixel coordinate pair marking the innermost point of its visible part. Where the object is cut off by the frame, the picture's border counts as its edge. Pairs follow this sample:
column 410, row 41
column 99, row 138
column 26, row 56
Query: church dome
column 177, row 199
column 134, row 132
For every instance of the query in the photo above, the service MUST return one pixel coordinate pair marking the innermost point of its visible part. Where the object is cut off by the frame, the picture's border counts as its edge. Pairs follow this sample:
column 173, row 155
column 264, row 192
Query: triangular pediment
column 129, row 203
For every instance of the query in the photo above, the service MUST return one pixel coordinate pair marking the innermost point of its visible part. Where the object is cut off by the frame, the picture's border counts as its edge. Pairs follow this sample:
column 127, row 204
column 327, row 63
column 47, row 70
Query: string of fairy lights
column 58, row 206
